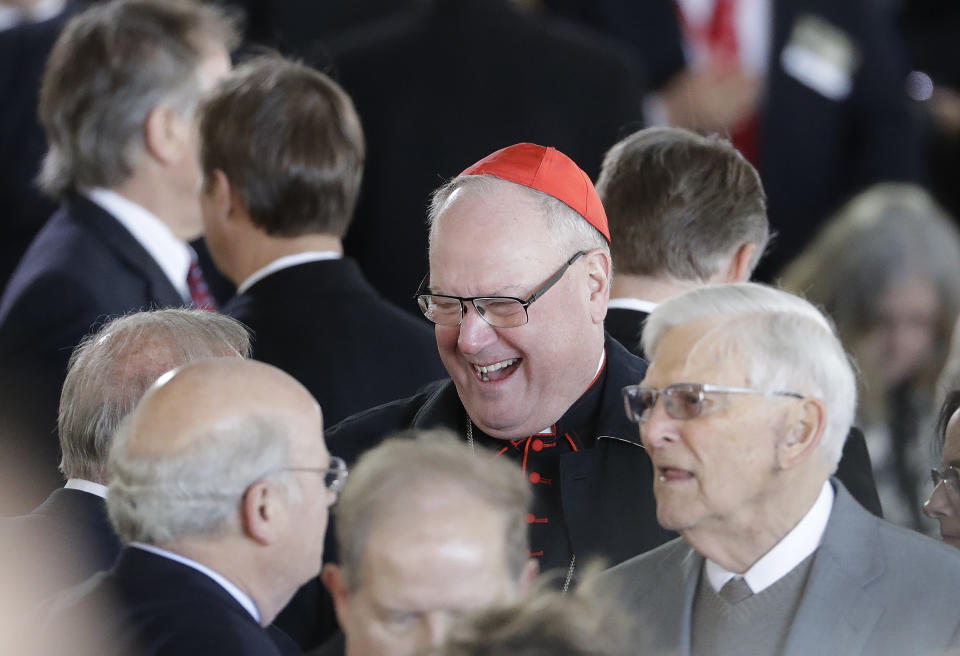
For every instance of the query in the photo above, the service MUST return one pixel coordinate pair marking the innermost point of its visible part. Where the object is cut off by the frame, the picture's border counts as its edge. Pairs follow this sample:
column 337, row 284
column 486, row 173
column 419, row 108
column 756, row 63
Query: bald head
column 199, row 438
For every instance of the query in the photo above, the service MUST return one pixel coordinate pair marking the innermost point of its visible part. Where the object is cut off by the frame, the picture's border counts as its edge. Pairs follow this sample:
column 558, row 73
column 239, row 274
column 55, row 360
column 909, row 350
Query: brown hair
column 291, row 144
column 679, row 203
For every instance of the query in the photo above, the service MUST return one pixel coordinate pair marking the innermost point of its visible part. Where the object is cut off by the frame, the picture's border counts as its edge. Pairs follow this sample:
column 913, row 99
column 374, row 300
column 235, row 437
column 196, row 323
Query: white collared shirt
column 173, row 255
column 632, row 304
column 286, row 262
column 795, row 546
column 242, row 598
column 87, row 486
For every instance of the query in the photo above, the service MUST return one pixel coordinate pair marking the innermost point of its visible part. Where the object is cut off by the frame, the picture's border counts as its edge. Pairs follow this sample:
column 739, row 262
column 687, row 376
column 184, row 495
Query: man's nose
column 475, row 333
column 938, row 505
column 435, row 626
column 659, row 427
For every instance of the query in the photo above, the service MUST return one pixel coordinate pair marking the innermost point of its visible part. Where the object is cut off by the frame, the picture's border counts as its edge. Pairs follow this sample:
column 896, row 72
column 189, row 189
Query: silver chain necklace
column 573, row 557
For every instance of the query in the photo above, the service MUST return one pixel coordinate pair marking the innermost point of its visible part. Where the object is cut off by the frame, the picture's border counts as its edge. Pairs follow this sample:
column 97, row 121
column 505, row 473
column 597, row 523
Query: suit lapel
column 836, row 605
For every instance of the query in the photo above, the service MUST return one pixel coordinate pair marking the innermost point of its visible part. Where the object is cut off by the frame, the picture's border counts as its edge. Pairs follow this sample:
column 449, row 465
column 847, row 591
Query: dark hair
column 288, row 139
column 950, row 405
column 111, row 66
column 679, row 203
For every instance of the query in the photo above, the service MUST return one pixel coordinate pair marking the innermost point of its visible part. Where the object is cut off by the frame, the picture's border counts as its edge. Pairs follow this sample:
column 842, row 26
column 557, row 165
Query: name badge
column 821, row 56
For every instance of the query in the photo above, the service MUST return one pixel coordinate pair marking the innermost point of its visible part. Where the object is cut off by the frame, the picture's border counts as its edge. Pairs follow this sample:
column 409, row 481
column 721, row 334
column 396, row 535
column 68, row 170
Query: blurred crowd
column 453, row 297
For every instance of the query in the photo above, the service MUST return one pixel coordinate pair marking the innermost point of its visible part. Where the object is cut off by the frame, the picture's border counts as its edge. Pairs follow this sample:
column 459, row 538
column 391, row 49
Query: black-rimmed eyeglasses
column 334, row 476
column 681, row 400
column 498, row 311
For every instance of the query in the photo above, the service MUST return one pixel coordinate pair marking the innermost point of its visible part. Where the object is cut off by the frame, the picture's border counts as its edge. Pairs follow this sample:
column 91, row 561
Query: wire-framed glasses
column 498, row 311
column 681, row 400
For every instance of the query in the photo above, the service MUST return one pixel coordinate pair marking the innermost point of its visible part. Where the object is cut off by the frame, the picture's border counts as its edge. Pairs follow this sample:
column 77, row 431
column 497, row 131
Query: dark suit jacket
column 873, row 588
column 23, row 209
column 445, row 84
column 855, row 470
column 814, row 151
column 324, row 324
column 148, row 605
column 83, row 268
column 64, row 541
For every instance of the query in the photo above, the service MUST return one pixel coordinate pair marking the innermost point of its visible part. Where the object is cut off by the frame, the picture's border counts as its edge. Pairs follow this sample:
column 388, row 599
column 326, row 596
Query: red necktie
column 199, row 292
column 719, row 37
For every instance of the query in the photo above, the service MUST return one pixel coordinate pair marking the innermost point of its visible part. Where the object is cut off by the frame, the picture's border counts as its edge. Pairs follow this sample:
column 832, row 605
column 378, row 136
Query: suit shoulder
column 364, row 430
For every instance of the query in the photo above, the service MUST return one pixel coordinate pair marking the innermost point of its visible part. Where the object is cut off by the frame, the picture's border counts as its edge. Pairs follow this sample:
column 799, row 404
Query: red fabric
column 199, row 292
column 550, row 171
column 719, row 38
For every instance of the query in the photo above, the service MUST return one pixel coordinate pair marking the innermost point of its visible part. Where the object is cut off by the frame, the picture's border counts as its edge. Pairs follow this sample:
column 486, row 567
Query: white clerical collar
column 795, row 546
column 242, row 598
column 87, row 486
column 632, row 304
column 173, row 255
column 285, row 262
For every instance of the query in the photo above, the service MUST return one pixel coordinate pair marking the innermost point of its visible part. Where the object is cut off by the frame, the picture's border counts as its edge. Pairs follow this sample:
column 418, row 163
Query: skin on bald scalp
column 202, row 469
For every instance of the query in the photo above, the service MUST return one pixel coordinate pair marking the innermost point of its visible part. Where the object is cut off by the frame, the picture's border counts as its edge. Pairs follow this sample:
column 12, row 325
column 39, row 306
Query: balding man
column 427, row 531
column 68, row 537
column 220, row 486
column 517, row 289
column 744, row 412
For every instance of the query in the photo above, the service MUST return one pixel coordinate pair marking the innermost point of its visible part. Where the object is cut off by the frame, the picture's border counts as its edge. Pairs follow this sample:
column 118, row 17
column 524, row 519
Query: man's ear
column 260, row 511
column 805, row 425
column 598, row 278
column 740, row 266
column 336, row 584
column 221, row 195
column 165, row 135
column 530, row 571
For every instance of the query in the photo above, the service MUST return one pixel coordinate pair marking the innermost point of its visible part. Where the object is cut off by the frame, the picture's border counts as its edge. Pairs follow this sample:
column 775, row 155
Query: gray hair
column 111, row 66
column 197, row 490
column 887, row 234
column 679, row 204
column 568, row 230
column 112, row 368
column 785, row 342
column 402, row 467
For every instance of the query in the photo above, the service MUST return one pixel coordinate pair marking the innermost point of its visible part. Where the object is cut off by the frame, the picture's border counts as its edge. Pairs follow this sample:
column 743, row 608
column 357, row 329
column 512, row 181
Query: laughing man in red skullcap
column 518, row 287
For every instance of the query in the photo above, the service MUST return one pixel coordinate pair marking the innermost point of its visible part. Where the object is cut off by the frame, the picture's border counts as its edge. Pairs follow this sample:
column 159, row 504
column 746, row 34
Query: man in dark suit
column 811, row 90
column 220, row 485
column 775, row 557
column 68, row 537
column 687, row 211
column 276, row 205
column 117, row 105
column 449, row 80
column 684, row 211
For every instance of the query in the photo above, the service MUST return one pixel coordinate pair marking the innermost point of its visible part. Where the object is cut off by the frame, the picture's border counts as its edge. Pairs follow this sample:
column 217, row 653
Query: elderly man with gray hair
column 220, row 487
column 68, row 537
column 744, row 411
column 427, row 530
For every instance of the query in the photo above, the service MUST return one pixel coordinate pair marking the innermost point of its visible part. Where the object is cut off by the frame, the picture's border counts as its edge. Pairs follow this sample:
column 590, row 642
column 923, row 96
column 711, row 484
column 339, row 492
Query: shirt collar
column 242, row 598
column 285, row 262
column 631, row 304
column 793, row 549
column 173, row 255
column 87, row 486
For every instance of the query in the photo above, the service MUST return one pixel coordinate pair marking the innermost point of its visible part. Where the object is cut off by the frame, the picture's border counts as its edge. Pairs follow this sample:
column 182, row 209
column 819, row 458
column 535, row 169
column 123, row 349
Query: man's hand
column 716, row 99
